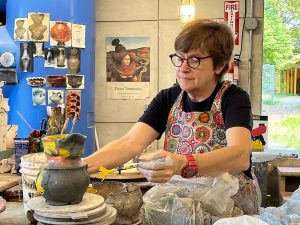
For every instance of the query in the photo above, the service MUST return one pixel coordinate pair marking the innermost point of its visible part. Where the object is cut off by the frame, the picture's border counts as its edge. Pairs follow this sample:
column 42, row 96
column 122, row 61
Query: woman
column 124, row 68
column 206, row 122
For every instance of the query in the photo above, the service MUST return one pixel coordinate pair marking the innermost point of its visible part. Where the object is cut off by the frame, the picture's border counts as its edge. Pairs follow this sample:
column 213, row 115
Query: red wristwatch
column 191, row 170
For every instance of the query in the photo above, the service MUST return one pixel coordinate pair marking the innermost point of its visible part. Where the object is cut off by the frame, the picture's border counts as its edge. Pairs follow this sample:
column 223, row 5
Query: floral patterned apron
column 200, row 132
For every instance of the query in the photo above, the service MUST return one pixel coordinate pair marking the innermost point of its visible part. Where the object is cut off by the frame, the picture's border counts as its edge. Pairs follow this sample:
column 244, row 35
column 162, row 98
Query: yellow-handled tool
column 103, row 172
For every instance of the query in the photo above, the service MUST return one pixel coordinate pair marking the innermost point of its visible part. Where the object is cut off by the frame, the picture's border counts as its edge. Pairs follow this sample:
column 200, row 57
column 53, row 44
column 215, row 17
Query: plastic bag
column 172, row 208
column 241, row 220
column 288, row 213
column 190, row 201
column 213, row 192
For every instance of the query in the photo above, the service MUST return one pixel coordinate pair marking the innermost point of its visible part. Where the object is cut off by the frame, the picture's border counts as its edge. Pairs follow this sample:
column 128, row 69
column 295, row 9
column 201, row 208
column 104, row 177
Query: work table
column 14, row 214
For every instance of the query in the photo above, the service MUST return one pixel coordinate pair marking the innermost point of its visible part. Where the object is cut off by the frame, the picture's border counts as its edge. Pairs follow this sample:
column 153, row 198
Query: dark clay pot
column 64, row 185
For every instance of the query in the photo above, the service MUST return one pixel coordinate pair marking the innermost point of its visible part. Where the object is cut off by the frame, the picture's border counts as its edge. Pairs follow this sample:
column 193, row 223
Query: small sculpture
column 37, row 29
column 20, row 30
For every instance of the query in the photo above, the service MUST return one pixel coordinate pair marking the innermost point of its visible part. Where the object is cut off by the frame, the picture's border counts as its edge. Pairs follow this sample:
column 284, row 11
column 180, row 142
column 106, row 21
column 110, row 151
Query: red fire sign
column 232, row 16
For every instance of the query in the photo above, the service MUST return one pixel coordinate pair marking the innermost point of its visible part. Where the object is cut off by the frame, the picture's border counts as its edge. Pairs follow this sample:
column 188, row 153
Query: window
column 281, row 74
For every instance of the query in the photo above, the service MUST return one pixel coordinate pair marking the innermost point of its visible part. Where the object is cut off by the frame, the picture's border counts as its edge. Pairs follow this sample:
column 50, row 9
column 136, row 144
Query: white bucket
column 30, row 168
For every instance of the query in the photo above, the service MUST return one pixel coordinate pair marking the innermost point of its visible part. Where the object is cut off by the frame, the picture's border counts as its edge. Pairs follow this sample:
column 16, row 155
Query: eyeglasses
column 193, row 61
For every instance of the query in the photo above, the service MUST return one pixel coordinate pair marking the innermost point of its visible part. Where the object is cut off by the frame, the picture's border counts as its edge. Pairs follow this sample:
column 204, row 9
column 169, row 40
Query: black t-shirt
column 235, row 106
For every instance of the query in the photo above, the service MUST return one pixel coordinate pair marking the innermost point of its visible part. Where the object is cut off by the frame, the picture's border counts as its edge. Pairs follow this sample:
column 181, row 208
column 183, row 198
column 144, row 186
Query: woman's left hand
column 161, row 166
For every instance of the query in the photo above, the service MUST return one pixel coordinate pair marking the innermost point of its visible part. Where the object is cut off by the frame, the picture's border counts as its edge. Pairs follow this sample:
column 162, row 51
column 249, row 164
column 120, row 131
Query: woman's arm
column 123, row 149
column 232, row 158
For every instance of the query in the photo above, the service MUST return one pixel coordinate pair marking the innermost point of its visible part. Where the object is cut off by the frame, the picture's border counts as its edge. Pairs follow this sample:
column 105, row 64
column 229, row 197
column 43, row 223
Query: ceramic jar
column 128, row 203
column 74, row 61
column 61, row 33
column 38, row 96
column 75, row 81
column 64, row 184
column 64, row 179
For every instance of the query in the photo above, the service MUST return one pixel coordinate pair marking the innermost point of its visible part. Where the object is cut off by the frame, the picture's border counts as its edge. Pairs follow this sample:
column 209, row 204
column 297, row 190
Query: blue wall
column 2, row 5
column 74, row 11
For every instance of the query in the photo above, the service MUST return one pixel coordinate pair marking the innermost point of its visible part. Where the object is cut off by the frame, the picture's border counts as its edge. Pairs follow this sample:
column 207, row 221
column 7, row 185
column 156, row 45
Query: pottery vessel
column 38, row 96
column 75, row 80
column 64, row 179
column 36, row 81
column 61, row 57
column 25, row 58
column 74, row 61
column 61, row 33
column 69, row 146
column 73, row 65
column 63, row 185
column 56, row 79
column 109, row 187
column 128, row 203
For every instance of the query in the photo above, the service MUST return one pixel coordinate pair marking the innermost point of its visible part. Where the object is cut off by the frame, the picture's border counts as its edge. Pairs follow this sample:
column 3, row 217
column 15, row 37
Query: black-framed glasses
column 193, row 61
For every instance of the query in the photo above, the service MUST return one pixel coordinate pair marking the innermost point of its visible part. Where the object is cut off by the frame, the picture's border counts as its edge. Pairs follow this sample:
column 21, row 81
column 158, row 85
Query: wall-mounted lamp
column 186, row 10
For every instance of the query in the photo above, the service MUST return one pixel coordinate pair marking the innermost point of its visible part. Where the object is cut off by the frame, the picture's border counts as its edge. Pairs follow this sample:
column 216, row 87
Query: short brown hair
column 214, row 38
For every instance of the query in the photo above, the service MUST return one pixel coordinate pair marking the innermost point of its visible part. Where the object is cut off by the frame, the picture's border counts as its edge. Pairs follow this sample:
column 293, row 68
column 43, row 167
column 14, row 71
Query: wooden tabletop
column 8, row 180
column 14, row 214
column 288, row 171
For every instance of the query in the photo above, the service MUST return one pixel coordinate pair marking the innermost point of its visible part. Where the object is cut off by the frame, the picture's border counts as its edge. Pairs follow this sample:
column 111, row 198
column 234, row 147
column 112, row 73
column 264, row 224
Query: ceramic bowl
column 49, row 144
column 108, row 187
column 36, row 81
column 75, row 81
column 56, row 79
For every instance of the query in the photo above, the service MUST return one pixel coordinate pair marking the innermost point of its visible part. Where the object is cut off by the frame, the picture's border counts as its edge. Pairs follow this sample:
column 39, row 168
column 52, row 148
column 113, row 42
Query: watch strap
column 192, row 169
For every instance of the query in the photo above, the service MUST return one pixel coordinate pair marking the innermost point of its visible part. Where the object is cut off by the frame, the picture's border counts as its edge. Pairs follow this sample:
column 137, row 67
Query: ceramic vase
column 61, row 57
column 61, row 33
column 63, row 185
column 25, row 58
column 74, row 61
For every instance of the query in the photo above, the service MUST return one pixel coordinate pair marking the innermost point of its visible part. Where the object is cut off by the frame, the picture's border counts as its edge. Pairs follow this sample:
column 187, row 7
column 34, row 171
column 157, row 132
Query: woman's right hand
column 160, row 166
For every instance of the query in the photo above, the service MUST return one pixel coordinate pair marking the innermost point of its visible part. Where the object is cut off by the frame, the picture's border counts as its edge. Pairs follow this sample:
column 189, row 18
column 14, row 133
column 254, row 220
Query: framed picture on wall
column 128, row 67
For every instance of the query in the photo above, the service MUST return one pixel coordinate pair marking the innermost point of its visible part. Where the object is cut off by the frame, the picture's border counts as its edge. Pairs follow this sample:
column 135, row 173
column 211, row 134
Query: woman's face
column 196, row 81
column 126, row 60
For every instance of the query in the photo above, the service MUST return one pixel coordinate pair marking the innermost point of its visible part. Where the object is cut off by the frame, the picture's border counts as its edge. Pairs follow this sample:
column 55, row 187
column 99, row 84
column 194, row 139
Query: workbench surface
column 14, row 214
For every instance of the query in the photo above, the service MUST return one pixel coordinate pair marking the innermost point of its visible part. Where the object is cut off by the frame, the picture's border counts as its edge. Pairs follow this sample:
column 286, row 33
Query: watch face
column 191, row 173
